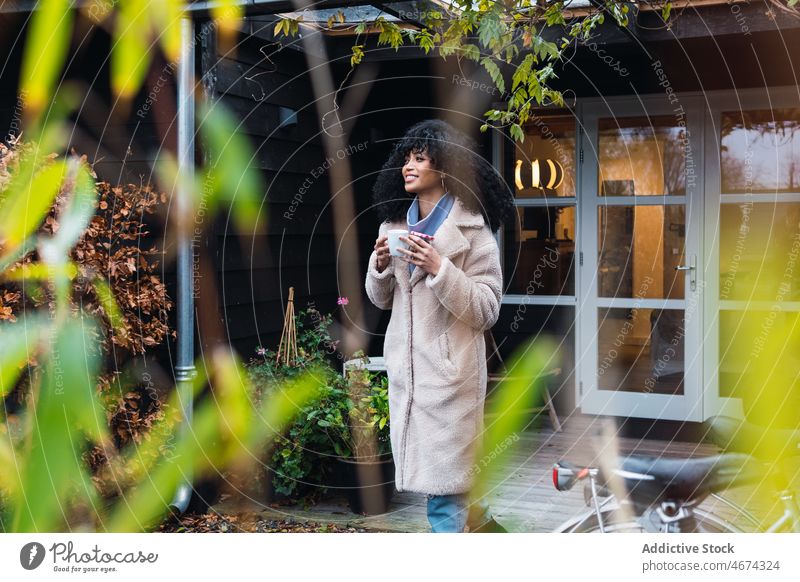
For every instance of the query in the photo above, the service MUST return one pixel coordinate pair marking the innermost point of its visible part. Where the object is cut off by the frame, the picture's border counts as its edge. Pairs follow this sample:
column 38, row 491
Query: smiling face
column 419, row 175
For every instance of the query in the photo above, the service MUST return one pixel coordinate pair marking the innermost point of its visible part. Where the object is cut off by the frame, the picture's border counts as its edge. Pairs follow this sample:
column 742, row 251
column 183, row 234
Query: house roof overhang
column 697, row 18
column 201, row 7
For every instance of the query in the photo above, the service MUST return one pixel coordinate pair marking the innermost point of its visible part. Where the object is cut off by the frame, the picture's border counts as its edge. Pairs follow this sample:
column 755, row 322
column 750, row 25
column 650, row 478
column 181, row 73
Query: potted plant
column 295, row 466
column 339, row 441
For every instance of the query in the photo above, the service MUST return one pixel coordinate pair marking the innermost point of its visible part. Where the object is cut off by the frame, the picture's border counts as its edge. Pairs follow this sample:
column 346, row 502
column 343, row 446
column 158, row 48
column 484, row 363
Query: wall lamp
column 547, row 174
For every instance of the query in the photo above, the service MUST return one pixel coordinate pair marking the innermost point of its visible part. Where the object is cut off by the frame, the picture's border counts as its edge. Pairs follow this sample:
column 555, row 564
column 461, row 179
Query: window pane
column 544, row 164
column 518, row 324
column 642, row 156
column 759, row 251
column 640, row 350
column 540, row 251
column 638, row 250
column 760, row 151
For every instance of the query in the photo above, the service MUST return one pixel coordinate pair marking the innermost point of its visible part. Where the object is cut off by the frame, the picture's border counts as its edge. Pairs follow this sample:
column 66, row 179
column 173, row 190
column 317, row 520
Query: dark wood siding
column 296, row 247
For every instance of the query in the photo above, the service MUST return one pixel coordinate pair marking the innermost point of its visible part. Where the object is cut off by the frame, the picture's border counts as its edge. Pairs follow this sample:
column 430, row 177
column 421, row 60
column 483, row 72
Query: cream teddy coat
column 435, row 352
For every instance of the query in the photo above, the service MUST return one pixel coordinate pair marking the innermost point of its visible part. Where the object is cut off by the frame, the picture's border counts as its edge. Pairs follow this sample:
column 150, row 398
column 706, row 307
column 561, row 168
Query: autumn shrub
column 110, row 248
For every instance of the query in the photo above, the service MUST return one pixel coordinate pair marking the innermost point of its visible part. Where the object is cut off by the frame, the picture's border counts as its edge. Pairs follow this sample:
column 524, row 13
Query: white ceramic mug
column 395, row 242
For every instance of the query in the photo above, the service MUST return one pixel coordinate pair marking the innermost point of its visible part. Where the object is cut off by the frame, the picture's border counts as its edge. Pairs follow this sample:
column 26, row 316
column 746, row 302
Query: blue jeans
column 450, row 514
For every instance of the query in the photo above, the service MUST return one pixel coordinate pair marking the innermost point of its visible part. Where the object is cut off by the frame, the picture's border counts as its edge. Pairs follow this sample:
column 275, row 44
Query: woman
column 443, row 295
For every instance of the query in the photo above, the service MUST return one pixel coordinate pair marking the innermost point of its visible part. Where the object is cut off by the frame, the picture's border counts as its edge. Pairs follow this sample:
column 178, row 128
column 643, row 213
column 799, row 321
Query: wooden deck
column 525, row 500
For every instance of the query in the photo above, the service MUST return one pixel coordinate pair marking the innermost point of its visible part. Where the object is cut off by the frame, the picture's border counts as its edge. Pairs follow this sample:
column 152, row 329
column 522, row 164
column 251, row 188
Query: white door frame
column 688, row 406
column 718, row 102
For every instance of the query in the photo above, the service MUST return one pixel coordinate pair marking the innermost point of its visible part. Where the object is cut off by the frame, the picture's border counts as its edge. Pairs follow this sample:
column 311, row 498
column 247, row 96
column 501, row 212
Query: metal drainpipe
column 185, row 370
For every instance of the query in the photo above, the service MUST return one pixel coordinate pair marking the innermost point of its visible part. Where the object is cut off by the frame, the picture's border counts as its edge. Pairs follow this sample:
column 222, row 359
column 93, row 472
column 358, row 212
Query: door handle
column 692, row 268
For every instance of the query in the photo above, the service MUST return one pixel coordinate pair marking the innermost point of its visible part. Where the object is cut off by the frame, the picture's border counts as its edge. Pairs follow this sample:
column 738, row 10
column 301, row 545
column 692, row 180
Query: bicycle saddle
column 651, row 480
column 770, row 444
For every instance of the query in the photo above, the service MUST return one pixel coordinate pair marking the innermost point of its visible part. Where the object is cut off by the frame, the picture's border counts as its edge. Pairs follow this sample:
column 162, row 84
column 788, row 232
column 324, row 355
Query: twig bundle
column 287, row 349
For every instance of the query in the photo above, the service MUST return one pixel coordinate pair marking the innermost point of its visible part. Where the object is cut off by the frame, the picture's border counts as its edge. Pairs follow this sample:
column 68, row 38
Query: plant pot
column 368, row 486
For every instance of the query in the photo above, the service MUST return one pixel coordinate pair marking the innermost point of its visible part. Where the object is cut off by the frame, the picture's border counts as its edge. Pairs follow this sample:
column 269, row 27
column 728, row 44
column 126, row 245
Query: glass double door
column 639, row 309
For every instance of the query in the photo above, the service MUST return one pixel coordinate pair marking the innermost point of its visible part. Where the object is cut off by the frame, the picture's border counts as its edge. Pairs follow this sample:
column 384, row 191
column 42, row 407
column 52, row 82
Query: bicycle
column 662, row 495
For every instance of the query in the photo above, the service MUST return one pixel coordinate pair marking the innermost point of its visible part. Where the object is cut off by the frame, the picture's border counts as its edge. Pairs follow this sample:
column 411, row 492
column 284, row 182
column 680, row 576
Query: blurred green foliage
column 509, row 413
column 45, row 484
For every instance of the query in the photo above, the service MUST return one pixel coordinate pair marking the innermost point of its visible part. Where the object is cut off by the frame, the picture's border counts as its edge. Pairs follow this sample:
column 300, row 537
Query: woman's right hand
column 382, row 250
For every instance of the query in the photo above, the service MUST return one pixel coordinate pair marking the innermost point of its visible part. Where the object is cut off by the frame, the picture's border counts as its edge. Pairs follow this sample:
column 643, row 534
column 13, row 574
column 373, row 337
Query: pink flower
column 261, row 351
column 342, row 301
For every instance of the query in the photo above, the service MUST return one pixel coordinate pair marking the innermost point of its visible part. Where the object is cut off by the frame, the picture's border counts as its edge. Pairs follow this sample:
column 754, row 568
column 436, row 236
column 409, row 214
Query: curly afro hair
column 467, row 175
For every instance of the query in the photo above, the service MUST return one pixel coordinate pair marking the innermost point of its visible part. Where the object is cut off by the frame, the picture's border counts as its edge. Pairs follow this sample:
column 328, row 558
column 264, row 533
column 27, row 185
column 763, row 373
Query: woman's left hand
column 421, row 254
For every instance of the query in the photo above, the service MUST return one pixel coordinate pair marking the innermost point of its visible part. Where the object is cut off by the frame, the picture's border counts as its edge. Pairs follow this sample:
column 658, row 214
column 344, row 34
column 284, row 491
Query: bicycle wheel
column 701, row 521
column 614, row 521
column 708, row 522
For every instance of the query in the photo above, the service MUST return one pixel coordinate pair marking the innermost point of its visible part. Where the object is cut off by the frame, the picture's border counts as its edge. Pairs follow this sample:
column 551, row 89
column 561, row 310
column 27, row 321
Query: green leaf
column 19, row 341
column 230, row 174
column 232, row 390
column 27, row 202
column 517, row 133
column 45, row 52
column 494, row 72
column 389, row 33
column 471, row 51
column 357, row 56
column 554, row 14
column 518, row 98
column 511, row 51
column 544, row 49
column 509, row 408
column 130, row 53
column 523, row 71
column 490, row 29
column 288, row 26
column 425, row 40
column 67, row 412
column 667, row 9
column 41, row 271
column 227, row 14
column 110, row 306
column 295, row 26
column 78, row 360
column 74, row 219
column 167, row 16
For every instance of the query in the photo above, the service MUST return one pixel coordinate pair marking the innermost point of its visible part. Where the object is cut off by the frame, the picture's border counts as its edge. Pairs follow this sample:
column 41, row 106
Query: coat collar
column 448, row 240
